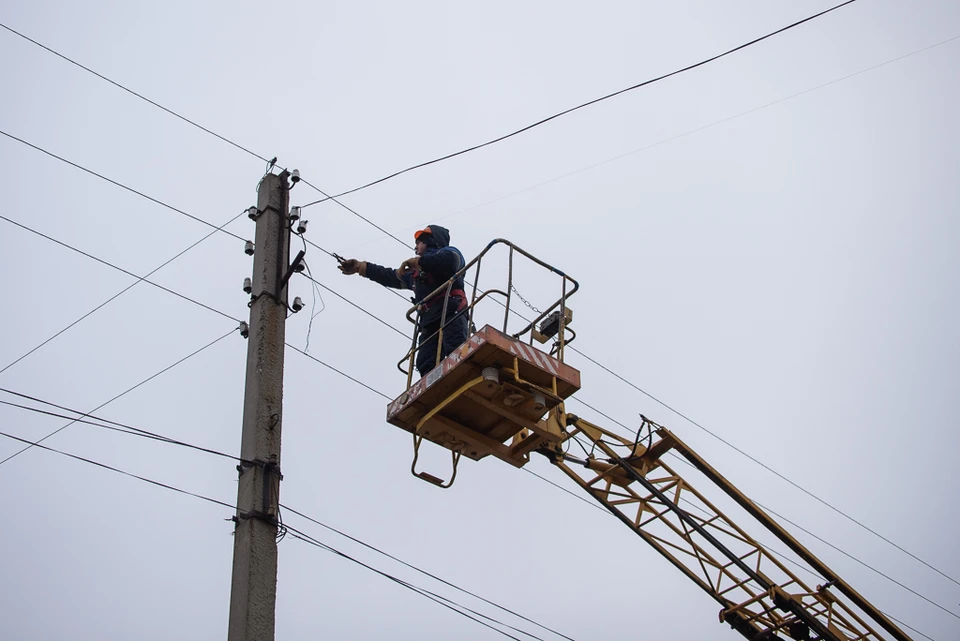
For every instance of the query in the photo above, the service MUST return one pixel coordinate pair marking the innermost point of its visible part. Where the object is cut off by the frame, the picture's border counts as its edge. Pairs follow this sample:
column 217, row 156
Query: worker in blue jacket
column 436, row 261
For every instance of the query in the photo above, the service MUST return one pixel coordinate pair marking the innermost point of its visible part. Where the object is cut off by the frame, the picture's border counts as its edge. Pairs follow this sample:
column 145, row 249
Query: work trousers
column 454, row 335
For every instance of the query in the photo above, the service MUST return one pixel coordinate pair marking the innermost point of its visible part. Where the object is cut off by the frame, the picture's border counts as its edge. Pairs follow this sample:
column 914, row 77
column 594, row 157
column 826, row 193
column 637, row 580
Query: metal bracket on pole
column 292, row 268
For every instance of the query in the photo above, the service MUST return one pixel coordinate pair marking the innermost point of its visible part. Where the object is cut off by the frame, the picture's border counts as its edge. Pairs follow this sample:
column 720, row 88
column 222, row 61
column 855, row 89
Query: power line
column 696, row 130
column 88, row 418
column 909, row 627
column 191, row 300
column 134, row 93
column 784, row 557
column 864, row 564
column 424, row 572
column 586, row 104
column 350, row 302
column 299, row 534
column 114, row 469
column 783, row 518
column 351, row 210
column 120, row 269
column 135, row 431
column 184, row 119
column 117, row 184
column 340, row 372
column 447, row 603
column 221, row 228
column 762, row 464
column 121, row 394
column 115, row 296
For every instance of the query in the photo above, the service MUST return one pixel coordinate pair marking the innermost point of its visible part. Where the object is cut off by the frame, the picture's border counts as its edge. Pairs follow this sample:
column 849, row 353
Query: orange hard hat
column 417, row 234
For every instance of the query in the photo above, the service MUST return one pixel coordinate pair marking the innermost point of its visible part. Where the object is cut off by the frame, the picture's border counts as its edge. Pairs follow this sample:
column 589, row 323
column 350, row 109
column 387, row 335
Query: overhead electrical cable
column 863, row 563
column 185, row 119
column 123, row 393
column 909, row 627
column 340, row 372
column 126, row 428
column 350, row 302
column 120, row 269
column 424, row 572
column 191, row 300
column 39, row 445
column 446, row 602
column 586, row 104
column 689, row 132
column 118, row 184
column 129, row 429
column 764, row 465
column 783, row 518
column 423, row 592
column 88, row 418
column 352, row 211
column 117, row 295
column 134, row 93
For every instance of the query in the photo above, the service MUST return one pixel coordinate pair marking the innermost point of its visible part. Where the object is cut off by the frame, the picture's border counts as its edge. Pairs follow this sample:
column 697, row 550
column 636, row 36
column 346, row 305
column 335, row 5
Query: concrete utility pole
column 253, row 594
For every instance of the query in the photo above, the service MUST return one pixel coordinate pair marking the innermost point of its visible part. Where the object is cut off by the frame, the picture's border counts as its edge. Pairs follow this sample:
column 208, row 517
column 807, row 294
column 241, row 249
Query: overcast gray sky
column 784, row 274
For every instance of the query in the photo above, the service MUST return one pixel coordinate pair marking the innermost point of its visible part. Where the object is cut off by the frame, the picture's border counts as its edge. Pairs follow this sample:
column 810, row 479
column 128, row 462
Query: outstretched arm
column 385, row 276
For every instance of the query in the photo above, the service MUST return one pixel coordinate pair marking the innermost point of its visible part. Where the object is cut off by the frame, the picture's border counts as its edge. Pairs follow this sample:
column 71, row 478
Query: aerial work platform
column 491, row 395
column 493, row 389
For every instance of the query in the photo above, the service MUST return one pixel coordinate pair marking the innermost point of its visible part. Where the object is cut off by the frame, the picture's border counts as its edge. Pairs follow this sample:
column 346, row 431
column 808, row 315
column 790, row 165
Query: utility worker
column 436, row 261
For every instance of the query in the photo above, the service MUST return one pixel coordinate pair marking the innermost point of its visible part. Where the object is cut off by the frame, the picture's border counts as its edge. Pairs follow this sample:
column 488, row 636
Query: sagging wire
column 313, row 288
column 313, row 314
column 441, row 600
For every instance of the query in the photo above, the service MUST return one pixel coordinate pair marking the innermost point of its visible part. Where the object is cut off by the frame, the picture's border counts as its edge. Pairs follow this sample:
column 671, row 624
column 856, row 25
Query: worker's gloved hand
column 353, row 266
column 408, row 265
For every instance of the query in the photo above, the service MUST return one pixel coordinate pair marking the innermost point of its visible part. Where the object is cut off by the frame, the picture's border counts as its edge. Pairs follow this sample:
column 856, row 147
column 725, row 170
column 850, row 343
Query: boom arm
column 760, row 597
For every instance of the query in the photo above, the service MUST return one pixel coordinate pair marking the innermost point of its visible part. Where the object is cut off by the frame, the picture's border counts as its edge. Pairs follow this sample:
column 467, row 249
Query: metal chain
column 525, row 301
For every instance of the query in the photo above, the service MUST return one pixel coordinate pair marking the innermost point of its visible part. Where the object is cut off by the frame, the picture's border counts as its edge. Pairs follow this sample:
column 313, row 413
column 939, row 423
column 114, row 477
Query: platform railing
column 414, row 313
